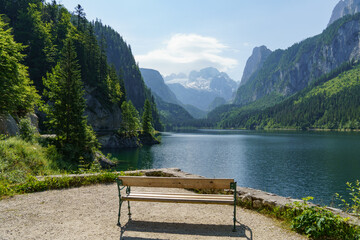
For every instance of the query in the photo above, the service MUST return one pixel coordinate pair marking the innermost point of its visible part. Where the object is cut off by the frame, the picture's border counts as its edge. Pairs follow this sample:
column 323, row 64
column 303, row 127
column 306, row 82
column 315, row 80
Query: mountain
column 286, row 72
column 156, row 83
column 255, row 62
column 200, row 88
column 172, row 113
column 331, row 102
column 344, row 7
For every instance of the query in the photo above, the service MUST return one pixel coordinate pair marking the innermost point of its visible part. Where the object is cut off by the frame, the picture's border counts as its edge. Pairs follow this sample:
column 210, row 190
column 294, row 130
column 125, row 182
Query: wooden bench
column 169, row 182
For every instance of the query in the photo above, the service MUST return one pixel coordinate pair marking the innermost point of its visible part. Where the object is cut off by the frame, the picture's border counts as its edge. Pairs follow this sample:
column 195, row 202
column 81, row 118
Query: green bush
column 26, row 130
column 319, row 223
column 19, row 158
column 353, row 206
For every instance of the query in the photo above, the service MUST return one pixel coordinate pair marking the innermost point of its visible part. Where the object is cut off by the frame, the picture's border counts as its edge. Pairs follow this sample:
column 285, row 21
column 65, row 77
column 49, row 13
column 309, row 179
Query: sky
column 174, row 36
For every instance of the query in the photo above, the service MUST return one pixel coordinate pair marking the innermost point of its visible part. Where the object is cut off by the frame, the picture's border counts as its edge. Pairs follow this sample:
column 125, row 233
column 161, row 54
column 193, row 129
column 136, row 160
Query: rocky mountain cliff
column 255, row 62
column 156, row 83
column 286, row 72
column 344, row 7
column 200, row 88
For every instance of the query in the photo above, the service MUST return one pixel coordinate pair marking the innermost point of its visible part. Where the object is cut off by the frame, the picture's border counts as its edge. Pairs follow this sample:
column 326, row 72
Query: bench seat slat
column 171, row 182
column 183, row 194
column 189, row 196
column 179, row 199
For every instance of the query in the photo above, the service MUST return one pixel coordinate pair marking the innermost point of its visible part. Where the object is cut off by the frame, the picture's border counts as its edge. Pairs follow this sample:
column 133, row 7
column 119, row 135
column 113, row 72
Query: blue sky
column 175, row 36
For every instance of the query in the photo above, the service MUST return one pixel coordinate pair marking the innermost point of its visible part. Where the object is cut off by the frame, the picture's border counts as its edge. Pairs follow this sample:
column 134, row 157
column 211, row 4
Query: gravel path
column 91, row 213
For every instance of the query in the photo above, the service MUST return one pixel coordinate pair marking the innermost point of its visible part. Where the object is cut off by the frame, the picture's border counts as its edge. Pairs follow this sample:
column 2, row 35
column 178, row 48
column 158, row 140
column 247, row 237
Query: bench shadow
column 242, row 231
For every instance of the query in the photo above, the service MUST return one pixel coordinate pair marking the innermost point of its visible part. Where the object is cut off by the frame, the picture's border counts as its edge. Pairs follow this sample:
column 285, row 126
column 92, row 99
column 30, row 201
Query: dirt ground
column 91, row 213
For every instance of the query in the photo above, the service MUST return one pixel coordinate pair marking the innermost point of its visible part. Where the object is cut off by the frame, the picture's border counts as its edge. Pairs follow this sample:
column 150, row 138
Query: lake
column 290, row 164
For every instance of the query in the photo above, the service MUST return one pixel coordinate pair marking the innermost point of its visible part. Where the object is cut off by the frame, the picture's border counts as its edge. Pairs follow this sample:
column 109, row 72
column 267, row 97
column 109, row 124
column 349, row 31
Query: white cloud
column 186, row 52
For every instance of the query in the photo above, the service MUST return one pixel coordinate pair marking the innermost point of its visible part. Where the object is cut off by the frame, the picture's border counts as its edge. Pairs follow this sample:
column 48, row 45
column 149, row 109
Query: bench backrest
column 174, row 182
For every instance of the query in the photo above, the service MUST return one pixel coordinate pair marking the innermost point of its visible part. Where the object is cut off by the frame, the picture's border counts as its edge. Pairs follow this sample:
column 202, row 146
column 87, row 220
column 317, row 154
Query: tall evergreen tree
column 130, row 118
column 147, row 118
column 64, row 88
column 79, row 11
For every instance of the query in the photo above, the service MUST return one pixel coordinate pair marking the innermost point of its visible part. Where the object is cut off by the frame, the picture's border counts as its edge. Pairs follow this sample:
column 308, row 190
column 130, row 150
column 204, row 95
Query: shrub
column 19, row 158
column 319, row 223
column 26, row 130
column 354, row 205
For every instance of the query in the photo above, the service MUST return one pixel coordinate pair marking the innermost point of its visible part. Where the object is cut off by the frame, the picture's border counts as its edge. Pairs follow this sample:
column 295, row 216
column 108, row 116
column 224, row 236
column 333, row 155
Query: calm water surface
column 294, row 164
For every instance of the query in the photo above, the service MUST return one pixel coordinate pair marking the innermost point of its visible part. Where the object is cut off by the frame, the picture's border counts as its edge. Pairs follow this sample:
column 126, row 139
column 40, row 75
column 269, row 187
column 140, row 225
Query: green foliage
column 30, row 29
column 17, row 95
column 353, row 205
column 130, row 123
column 319, row 223
column 147, row 118
column 27, row 131
column 64, row 88
column 18, row 158
column 114, row 87
column 32, row 184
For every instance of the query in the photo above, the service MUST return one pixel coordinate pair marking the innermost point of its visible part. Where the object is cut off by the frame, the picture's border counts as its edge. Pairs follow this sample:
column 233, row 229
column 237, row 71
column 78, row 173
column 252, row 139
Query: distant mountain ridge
column 343, row 8
column 200, row 88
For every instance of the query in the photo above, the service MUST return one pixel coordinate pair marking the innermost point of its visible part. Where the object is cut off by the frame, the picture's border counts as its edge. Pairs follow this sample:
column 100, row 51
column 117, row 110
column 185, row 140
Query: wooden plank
column 207, row 196
column 173, row 182
column 177, row 193
column 226, row 197
column 178, row 200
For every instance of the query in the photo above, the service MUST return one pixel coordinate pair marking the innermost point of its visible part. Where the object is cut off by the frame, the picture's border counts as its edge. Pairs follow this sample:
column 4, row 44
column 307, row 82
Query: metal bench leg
column 233, row 186
column 129, row 211
column 128, row 190
column 119, row 184
column 119, row 214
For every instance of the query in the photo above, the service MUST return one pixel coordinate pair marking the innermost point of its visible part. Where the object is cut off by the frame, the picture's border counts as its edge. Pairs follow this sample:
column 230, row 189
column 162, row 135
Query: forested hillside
column 331, row 102
column 43, row 28
column 120, row 57
column 286, row 72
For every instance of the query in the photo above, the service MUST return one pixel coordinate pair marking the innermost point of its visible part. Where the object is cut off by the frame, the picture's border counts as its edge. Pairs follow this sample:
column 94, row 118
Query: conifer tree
column 147, row 118
column 64, row 88
column 130, row 118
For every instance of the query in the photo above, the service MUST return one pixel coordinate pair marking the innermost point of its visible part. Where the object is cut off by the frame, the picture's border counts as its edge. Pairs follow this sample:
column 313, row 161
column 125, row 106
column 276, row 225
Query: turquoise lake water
column 291, row 164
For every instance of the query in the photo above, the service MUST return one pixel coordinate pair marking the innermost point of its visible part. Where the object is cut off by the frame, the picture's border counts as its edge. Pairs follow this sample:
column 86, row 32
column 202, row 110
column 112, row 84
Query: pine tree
column 79, row 10
column 64, row 88
column 130, row 119
column 147, row 118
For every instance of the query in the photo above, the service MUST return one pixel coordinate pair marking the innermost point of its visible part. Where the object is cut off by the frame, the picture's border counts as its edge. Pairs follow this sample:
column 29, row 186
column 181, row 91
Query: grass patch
column 32, row 184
